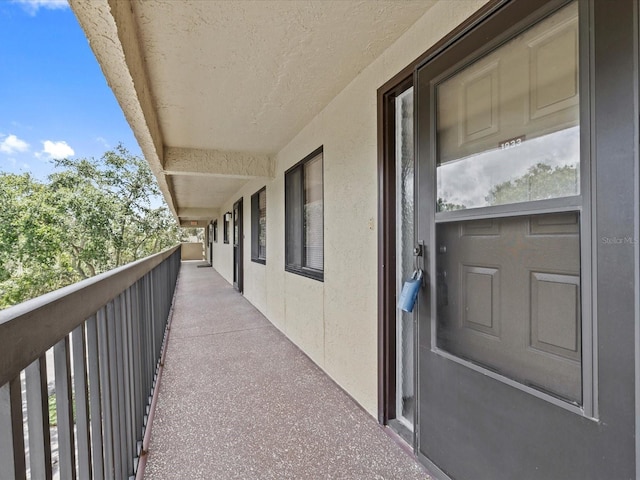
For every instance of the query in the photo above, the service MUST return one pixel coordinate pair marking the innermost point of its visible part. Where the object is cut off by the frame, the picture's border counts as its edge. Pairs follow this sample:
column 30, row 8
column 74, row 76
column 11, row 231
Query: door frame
column 210, row 239
column 238, row 246
column 387, row 287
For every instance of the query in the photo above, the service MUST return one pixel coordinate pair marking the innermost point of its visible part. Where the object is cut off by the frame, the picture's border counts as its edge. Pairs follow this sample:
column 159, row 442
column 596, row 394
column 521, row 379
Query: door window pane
column 508, row 124
column 508, row 298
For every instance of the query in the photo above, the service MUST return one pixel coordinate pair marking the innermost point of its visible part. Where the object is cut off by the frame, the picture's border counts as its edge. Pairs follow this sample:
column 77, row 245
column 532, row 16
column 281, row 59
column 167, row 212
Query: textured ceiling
column 248, row 75
column 214, row 88
column 205, row 191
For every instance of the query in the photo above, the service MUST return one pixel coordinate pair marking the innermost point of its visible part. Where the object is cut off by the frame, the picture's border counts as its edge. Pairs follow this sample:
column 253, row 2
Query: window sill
column 305, row 272
column 259, row 260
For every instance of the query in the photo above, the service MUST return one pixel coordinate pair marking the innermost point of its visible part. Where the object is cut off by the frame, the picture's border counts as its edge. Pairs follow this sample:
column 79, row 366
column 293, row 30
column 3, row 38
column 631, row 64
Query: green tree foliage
column 444, row 206
column 89, row 217
column 539, row 182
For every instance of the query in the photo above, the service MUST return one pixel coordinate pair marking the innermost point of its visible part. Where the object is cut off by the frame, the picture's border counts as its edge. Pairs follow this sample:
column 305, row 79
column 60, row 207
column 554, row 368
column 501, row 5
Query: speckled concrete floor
column 238, row 400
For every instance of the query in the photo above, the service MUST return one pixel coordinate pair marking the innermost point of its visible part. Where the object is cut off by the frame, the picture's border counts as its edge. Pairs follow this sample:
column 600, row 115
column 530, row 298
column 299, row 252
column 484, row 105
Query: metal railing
column 107, row 335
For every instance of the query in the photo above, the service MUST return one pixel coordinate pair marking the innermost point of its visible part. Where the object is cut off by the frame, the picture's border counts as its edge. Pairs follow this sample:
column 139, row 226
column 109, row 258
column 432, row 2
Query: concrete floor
column 238, row 400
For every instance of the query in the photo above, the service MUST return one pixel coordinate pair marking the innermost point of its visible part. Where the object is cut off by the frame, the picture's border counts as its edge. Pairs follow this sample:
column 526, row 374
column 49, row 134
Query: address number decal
column 511, row 143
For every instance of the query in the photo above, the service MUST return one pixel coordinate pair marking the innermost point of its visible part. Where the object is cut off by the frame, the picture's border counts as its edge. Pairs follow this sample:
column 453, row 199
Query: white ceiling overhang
column 214, row 88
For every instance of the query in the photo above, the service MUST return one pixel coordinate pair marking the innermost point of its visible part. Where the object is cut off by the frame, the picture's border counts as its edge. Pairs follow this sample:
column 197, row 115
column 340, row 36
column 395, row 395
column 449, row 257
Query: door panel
column 238, row 241
column 507, row 387
column 512, row 299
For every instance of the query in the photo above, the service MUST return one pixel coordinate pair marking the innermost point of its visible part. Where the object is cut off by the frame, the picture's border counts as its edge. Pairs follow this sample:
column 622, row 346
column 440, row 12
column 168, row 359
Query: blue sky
column 54, row 100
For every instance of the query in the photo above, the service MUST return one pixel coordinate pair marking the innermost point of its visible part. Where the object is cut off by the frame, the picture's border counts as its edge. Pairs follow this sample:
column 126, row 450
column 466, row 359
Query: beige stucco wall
column 335, row 321
column 223, row 252
column 192, row 251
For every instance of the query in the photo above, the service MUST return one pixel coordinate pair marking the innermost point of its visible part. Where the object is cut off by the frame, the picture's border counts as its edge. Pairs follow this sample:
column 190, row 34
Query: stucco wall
column 223, row 252
column 335, row 321
column 192, row 251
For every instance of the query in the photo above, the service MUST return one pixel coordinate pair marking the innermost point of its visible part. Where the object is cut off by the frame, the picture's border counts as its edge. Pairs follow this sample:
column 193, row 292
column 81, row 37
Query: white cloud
column 57, row 150
column 32, row 6
column 102, row 141
column 13, row 144
column 14, row 123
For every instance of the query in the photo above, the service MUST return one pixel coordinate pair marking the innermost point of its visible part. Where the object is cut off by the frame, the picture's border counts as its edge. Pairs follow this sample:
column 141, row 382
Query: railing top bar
column 29, row 329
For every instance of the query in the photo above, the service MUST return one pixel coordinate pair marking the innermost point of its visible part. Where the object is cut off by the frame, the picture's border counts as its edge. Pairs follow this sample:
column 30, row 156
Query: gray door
column 238, row 237
column 526, row 171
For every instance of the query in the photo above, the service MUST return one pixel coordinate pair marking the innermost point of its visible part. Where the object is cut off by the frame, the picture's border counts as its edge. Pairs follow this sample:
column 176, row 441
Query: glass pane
column 405, row 397
column 262, row 224
column 508, row 298
column 235, row 226
column 313, row 214
column 293, row 223
column 508, row 124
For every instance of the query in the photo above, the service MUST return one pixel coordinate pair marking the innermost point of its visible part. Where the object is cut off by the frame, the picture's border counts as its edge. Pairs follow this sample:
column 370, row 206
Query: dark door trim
column 238, row 244
column 386, row 210
column 210, row 231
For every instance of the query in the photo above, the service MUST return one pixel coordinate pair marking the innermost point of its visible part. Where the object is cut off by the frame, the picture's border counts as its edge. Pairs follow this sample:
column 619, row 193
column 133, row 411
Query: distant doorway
column 237, row 246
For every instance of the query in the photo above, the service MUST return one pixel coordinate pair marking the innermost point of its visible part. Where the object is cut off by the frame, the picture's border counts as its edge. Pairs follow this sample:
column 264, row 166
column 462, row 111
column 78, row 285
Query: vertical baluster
column 144, row 327
column 160, row 317
column 152, row 320
column 165, row 290
column 11, row 431
column 105, row 393
column 130, row 379
column 120, row 366
column 149, row 335
column 81, row 401
column 136, row 351
column 162, row 292
column 114, row 398
column 38, row 419
column 95, row 409
column 64, row 409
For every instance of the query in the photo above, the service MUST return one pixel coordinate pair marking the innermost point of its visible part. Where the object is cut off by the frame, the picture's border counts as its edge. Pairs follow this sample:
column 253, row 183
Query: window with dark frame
column 259, row 226
column 304, row 217
column 225, row 227
column 215, row 231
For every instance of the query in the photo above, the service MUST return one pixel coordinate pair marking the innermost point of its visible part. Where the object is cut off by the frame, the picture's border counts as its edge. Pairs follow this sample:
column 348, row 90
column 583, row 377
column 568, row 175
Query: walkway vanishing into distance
column 237, row 400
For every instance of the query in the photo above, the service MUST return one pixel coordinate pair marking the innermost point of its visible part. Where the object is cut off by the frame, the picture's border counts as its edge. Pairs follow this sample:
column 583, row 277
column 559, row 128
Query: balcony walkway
column 237, row 400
